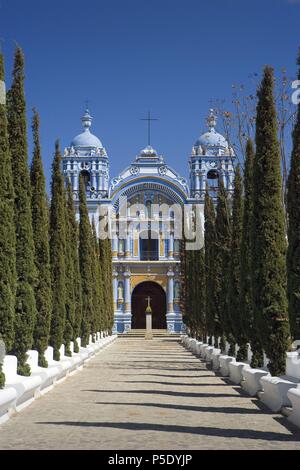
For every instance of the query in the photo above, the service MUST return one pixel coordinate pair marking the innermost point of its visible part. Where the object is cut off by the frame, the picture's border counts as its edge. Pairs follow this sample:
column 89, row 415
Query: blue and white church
column 146, row 260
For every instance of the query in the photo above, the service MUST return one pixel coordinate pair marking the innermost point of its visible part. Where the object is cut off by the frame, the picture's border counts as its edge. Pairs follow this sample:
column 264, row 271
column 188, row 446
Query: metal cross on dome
column 149, row 119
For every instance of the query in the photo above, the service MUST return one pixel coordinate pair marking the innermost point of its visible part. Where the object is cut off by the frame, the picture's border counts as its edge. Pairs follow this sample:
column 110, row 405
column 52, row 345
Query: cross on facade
column 149, row 119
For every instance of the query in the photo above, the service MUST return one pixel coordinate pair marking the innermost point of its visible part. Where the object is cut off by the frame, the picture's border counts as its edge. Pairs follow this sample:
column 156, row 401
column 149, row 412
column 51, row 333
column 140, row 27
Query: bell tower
column 211, row 160
column 87, row 157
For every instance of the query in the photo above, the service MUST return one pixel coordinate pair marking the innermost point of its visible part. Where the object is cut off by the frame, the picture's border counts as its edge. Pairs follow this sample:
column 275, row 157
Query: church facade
column 142, row 205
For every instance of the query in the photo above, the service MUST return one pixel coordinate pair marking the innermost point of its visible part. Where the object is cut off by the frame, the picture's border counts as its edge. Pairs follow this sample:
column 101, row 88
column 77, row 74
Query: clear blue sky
column 128, row 56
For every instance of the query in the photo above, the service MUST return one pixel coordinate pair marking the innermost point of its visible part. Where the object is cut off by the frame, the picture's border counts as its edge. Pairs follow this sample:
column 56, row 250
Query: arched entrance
column 139, row 304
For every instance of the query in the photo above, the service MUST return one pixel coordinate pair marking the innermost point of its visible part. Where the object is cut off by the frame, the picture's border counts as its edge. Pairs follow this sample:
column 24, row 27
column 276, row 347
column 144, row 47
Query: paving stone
column 139, row 394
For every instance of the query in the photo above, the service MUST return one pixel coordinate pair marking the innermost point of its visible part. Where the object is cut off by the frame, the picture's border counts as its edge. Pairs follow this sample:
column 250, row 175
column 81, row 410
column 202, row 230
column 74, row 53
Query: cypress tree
column 75, row 292
column 269, row 249
column 192, row 308
column 57, row 255
column 193, row 287
column 108, row 299
column 85, row 263
column 199, row 288
column 188, row 294
column 97, row 284
column 105, row 311
column 212, row 322
column 293, row 206
column 7, row 235
column 40, row 225
column 222, row 262
column 104, row 279
column 70, row 273
column 235, row 256
column 249, row 328
column 25, row 312
column 183, row 287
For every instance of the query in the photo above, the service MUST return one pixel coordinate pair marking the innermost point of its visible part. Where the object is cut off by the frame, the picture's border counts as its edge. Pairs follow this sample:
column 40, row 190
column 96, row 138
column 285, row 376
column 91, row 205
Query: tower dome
column 211, row 142
column 211, row 161
column 86, row 139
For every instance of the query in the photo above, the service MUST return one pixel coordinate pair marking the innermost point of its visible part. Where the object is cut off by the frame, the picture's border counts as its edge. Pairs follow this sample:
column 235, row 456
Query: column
column 99, row 178
column 115, row 289
column 171, row 245
column 127, row 245
column 68, row 167
column 105, row 177
column 75, row 181
column 170, row 291
column 203, row 180
column 127, row 306
column 114, row 246
column 197, row 180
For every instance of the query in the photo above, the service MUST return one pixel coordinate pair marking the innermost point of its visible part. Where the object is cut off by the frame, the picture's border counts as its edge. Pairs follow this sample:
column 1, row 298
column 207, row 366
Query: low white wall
column 20, row 391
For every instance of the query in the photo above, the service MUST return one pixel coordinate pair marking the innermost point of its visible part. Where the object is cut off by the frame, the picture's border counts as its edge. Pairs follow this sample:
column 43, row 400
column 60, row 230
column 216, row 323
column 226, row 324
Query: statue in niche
column 121, row 245
column 120, row 292
column 176, row 246
column 177, row 290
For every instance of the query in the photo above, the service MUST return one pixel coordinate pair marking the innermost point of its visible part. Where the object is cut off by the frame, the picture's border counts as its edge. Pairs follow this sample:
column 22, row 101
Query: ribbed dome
column 86, row 139
column 212, row 139
column 211, row 142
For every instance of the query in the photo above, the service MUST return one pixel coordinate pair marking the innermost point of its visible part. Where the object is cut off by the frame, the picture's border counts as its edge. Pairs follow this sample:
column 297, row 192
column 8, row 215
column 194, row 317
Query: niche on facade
column 120, row 292
column 177, row 291
column 176, row 246
column 121, row 246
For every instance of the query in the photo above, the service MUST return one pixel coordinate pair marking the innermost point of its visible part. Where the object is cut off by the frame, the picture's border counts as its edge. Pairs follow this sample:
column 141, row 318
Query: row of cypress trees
column 293, row 205
column 55, row 275
column 252, row 275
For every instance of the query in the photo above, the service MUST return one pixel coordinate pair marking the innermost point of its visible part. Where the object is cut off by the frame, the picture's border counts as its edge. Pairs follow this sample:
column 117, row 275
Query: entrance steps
column 139, row 333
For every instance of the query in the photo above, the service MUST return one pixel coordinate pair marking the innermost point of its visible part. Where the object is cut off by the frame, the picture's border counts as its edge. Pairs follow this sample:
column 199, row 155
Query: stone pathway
column 140, row 394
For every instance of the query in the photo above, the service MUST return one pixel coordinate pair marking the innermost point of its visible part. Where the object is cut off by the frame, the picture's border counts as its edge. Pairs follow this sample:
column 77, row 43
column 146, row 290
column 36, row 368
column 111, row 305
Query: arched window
column 86, row 178
column 212, row 179
column 149, row 246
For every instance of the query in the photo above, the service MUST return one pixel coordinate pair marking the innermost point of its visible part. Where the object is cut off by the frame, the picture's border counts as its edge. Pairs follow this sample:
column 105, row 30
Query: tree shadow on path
column 178, row 384
column 197, row 430
column 171, row 376
column 205, row 409
column 170, row 393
